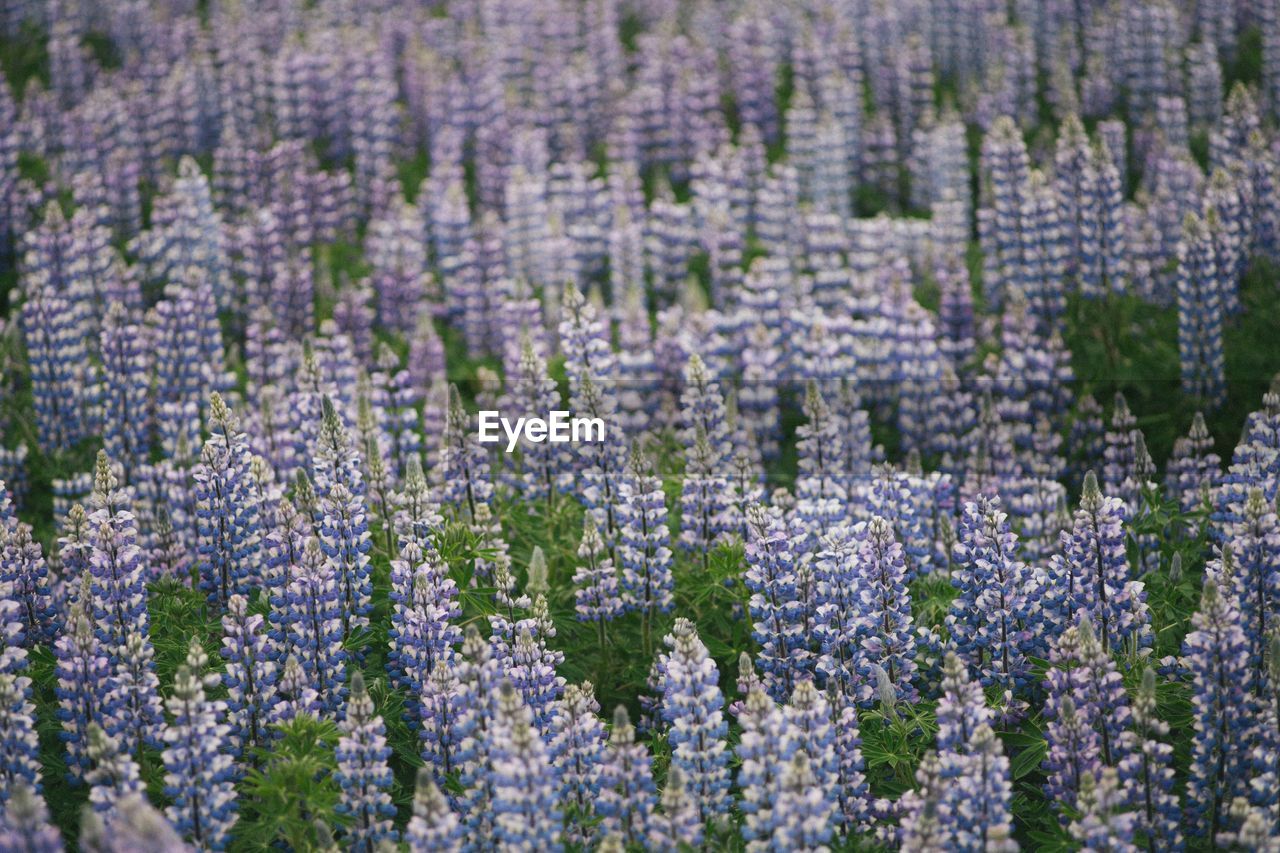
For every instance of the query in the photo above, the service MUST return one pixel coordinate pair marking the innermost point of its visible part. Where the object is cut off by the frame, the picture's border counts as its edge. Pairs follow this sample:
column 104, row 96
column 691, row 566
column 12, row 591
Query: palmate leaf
column 295, row 787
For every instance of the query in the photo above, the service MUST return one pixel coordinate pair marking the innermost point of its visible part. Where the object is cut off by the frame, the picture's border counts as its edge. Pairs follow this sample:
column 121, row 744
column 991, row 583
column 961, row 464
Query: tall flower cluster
column 115, row 774
column 447, row 715
column 820, row 486
column 434, row 826
column 836, row 616
column 1216, row 653
column 644, row 549
column 126, row 375
column 363, row 773
column 1088, row 709
column 808, row 730
column 1252, row 462
column 334, row 459
column 965, row 802
column 530, row 664
column 1147, row 769
column 704, row 504
column 24, row 824
column 19, row 745
column 311, row 620
column 227, row 509
column 759, row 751
column 693, row 708
column 136, row 711
column 853, row 792
column 546, row 466
column 678, row 821
column 84, row 683
column 117, row 574
column 577, row 749
column 199, row 769
column 344, row 539
column 885, row 627
column 1255, row 579
column 24, row 570
column 805, row 822
column 1119, row 450
column 423, row 632
column 1104, row 822
column 525, row 808
column 590, row 365
column 702, row 406
column 1092, row 573
column 627, row 796
column 188, row 359
column 416, row 515
column 1200, row 311
column 992, row 619
column 771, row 579
column 1194, row 469
column 923, row 826
column 251, row 673
column 464, row 465
column 55, row 331
column 596, row 591
column 478, row 678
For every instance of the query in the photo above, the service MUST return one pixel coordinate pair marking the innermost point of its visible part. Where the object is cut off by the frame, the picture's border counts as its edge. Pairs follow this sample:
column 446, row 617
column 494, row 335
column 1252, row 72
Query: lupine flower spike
column 1147, row 770
column 595, row 582
column 24, row 824
column 627, row 796
column 1216, row 655
column 84, row 683
column 1092, row 573
column 693, row 708
column 19, row 745
column 199, row 769
column 114, row 775
column 363, row 773
column 434, row 826
column 577, row 747
column 526, row 815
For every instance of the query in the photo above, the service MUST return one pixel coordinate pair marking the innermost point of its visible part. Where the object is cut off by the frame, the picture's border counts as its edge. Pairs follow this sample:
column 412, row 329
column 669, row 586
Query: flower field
column 934, row 350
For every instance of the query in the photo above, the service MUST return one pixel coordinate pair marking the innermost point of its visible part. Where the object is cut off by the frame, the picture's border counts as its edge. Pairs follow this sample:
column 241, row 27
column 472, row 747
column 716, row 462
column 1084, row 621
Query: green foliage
column 177, row 614
column 931, row 598
column 1125, row 344
column 893, row 741
column 24, row 57
column 295, row 787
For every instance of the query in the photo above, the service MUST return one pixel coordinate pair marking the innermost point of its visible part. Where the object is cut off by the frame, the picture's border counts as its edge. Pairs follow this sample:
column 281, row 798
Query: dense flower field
column 932, row 341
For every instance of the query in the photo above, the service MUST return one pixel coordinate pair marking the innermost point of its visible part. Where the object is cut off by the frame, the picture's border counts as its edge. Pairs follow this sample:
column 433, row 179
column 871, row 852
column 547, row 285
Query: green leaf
column 1029, row 759
column 1047, row 841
